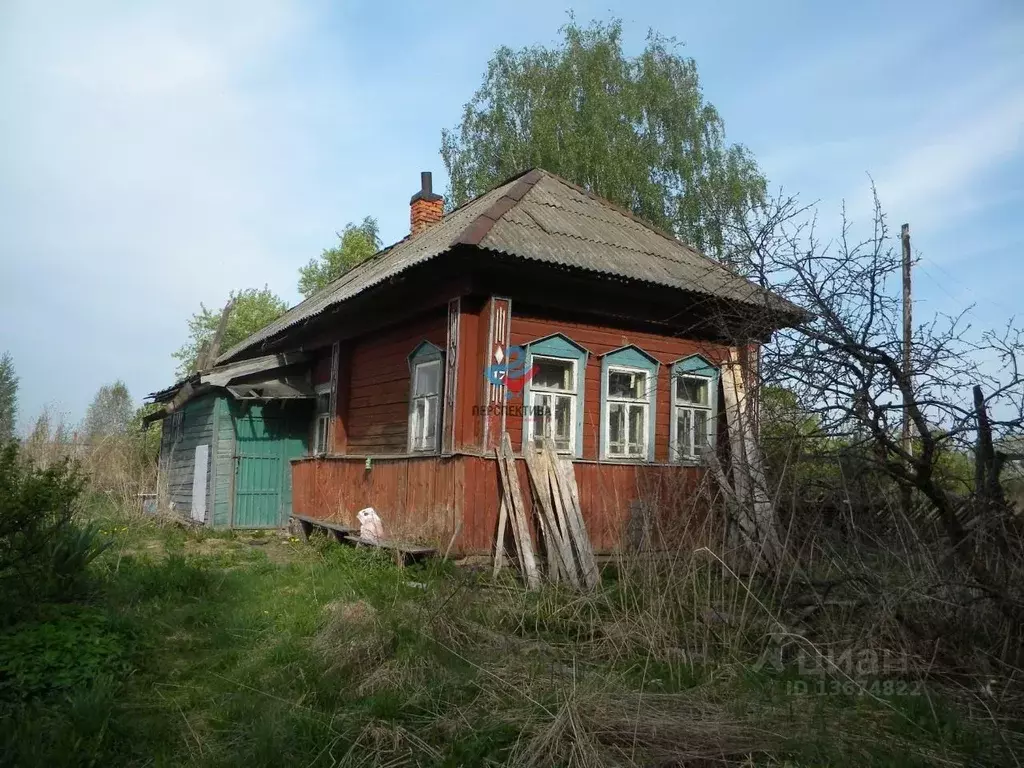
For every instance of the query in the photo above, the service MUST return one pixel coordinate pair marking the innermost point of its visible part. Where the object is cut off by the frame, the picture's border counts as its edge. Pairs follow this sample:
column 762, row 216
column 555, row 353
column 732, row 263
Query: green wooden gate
column 266, row 437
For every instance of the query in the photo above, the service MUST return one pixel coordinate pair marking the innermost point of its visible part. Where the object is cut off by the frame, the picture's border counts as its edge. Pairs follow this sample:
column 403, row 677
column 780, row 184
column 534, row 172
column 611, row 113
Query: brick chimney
column 425, row 208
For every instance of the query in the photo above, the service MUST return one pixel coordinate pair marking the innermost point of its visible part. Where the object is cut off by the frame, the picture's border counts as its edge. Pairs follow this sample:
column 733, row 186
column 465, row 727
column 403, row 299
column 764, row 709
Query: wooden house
column 537, row 309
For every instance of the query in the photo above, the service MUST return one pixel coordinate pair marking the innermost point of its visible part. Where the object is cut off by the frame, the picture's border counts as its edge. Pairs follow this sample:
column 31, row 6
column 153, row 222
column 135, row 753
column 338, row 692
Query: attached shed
column 228, row 436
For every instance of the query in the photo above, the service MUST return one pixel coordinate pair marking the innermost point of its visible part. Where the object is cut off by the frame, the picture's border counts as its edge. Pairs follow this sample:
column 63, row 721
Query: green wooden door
column 265, row 439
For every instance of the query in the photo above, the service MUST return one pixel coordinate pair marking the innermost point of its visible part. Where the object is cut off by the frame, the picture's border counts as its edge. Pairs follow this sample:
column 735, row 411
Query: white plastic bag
column 371, row 527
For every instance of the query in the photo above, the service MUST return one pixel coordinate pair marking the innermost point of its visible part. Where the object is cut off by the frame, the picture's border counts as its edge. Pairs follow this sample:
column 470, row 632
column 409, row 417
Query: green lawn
column 259, row 650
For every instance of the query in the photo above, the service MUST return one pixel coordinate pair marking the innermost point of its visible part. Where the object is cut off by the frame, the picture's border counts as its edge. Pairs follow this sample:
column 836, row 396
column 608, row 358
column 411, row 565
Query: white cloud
column 935, row 179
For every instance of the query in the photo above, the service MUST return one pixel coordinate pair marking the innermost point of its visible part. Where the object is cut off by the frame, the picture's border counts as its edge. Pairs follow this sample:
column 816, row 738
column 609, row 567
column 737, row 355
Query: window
column 553, row 393
column 694, row 408
column 425, row 406
column 627, row 411
column 629, row 382
column 551, row 406
column 322, row 423
column 692, row 416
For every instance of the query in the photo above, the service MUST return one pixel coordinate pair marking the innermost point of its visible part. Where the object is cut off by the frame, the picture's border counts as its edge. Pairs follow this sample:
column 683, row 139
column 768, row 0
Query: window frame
column 629, row 359
column 318, row 416
column 606, row 415
column 425, row 354
column 560, row 347
column 693, row 367
column 535, row 392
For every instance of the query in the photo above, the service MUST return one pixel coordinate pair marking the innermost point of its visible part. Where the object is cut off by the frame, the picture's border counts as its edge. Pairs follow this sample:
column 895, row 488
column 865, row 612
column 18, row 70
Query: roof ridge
column 477, row 229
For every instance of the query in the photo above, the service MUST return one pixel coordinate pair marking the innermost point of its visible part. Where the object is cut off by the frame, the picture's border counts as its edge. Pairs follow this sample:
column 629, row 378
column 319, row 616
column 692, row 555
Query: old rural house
column 536, row 309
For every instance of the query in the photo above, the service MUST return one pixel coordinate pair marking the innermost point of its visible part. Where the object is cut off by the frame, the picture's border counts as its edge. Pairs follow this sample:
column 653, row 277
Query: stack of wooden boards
column 556, row 502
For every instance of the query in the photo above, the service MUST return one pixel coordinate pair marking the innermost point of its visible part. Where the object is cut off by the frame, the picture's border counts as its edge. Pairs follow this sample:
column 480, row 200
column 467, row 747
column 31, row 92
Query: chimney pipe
column 425, row 207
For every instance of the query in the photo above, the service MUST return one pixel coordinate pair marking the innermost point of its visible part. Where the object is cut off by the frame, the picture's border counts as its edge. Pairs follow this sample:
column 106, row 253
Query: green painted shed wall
column 224, row 463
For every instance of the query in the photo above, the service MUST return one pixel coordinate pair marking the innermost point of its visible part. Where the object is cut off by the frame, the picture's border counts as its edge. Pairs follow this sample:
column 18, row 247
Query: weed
column 204, row 650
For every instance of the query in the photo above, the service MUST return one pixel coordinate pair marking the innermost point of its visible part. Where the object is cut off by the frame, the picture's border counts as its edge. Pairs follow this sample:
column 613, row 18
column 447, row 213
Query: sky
column 158, row 155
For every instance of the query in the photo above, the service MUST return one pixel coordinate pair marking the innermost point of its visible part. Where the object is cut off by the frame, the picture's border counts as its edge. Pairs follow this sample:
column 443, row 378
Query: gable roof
column 542, row 217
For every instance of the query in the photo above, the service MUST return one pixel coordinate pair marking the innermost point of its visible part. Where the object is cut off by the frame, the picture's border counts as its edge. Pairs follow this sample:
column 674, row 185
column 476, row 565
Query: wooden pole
column 908, row 444
column 906, row 497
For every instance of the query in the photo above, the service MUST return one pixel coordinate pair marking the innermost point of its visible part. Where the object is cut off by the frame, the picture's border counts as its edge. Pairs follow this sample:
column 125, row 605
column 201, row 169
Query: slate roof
column 541, row 217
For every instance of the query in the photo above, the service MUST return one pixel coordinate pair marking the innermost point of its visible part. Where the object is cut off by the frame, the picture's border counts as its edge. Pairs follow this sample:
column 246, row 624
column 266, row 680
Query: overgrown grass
column 221, row 649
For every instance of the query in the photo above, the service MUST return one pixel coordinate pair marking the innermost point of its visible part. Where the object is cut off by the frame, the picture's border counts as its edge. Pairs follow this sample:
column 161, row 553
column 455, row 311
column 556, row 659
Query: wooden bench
column 402, row 551
column 346, row 534
column 307, row 524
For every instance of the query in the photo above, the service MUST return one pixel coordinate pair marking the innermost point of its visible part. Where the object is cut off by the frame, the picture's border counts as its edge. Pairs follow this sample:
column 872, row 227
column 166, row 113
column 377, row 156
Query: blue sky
column 158, row 155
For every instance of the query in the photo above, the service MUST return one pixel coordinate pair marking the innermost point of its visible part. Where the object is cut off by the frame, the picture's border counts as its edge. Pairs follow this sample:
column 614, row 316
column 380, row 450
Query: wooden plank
column 506, row 499
column 558, row 548
column 562, row 519
column 398, row 546
column 565, row 482
column 499, row 542
column 511, row 478
column 589, row 565
column 305, row 520
column 542, row 510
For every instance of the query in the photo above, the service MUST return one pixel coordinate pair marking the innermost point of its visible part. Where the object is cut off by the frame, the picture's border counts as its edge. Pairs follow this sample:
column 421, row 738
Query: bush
column 44, row 553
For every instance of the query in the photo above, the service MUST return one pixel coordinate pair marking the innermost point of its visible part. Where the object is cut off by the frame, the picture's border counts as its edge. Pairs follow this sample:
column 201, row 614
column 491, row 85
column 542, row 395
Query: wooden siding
column 224, row 463
column 418, row 498
column 599, row 340
column 322, row 367
column 177, row 457
column 473, row 322
column 425, row 498
column 378, row 388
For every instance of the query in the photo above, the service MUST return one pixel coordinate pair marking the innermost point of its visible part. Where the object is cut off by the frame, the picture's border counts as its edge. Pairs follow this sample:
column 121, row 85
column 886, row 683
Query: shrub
column 44, row 553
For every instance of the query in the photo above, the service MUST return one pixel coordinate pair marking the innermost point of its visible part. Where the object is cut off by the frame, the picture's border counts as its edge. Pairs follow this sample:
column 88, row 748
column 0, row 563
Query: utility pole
column 906, row 495
column 908, row 444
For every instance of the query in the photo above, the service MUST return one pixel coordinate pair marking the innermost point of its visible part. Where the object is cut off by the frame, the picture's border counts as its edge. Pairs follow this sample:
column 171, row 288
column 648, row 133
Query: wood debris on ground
column 556, row 504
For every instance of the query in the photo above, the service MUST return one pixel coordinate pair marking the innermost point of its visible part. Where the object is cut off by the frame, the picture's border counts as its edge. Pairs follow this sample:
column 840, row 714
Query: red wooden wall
column 378, row 385
column 601, row 339
column 425, row 498
column 430, row 498
column 418, row 497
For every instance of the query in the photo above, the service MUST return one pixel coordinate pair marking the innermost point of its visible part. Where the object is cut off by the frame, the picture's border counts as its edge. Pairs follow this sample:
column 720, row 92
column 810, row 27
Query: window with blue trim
column 553, row 394
column 322, row 423
column 425, row 398
column 629, row 379
column 694, row 401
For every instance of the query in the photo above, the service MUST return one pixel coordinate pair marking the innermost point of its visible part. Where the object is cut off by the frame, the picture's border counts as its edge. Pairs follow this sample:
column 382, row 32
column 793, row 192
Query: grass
column 198, row 648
